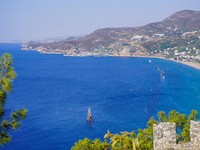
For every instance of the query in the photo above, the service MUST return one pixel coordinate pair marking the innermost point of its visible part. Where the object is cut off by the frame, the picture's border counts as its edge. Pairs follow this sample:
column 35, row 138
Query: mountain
column 187, row 20
column 128, row 41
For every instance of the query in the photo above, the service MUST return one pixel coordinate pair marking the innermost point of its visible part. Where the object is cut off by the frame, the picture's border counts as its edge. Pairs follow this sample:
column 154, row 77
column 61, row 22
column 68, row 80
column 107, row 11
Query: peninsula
column 175, row 38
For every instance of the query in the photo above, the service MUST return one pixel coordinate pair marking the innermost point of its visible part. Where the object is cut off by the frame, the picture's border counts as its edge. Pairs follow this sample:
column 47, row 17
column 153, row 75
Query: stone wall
column 165, row 134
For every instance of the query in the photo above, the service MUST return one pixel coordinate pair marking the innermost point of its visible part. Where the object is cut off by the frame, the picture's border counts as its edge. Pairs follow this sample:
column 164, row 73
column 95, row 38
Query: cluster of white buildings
column 188, row 53
column 139, row 37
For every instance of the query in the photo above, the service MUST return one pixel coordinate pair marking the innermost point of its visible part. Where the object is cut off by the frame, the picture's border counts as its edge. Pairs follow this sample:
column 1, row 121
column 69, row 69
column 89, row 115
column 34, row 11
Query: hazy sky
column 33, row 19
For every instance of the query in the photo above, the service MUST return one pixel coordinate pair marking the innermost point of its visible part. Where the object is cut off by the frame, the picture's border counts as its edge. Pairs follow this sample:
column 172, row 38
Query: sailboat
column 162, row 72
column 89, row 115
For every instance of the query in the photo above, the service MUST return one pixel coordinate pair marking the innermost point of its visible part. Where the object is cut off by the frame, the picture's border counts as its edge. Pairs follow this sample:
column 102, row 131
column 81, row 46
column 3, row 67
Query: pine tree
column 7, row 75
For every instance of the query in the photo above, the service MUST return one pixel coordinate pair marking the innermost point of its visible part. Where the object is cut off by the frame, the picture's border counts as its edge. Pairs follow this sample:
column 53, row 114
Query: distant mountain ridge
column 124, row 41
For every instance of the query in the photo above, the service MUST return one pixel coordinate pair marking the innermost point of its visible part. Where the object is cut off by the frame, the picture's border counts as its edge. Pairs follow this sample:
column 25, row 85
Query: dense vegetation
column 7, row 74
column 144, row 140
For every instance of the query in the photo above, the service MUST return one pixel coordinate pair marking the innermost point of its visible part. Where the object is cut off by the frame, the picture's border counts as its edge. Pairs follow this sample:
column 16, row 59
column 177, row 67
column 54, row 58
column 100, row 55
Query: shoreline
column 191, row 64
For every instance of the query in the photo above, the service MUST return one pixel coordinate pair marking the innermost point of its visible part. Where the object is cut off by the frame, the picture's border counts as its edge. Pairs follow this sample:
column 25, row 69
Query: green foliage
column 146, row 136
column 124, row 141
column 179, row 119
column 7, row 75
column 86, row 144
column 184, row 136
column 162, row 116
column 194, row 115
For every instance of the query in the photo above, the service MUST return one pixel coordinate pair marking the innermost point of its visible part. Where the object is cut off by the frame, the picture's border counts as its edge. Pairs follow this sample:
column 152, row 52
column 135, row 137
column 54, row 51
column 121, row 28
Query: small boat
column 133, row 89
column 149, row 60
column 89, row 115
column 158, row 69
column 162, row 73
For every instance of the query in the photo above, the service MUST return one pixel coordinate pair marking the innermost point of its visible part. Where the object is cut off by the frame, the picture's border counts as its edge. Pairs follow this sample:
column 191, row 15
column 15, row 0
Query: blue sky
column 40, row 19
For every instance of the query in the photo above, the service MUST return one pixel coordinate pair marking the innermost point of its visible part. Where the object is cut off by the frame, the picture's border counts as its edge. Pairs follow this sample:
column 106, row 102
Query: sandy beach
column 191, row 64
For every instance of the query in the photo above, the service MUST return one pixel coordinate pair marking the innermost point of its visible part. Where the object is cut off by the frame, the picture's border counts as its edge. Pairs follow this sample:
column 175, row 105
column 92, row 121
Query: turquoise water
column 58, row 90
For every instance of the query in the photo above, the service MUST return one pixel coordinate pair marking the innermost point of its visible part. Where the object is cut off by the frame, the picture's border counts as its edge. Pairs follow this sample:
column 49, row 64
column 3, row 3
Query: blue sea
column 58, row 90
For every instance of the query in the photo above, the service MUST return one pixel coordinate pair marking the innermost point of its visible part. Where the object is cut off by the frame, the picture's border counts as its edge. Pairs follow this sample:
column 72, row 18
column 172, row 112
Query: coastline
column 191, row 64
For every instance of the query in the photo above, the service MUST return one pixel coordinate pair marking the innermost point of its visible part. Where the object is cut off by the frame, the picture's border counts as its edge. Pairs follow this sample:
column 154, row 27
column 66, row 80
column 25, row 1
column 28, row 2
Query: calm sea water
column 58, row 90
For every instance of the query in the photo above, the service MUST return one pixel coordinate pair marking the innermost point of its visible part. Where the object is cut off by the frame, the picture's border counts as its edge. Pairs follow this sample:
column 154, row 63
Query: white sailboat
column 89, row 115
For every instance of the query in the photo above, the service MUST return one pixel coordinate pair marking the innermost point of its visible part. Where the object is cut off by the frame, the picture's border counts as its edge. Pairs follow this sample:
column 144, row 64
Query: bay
column 58, row 90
